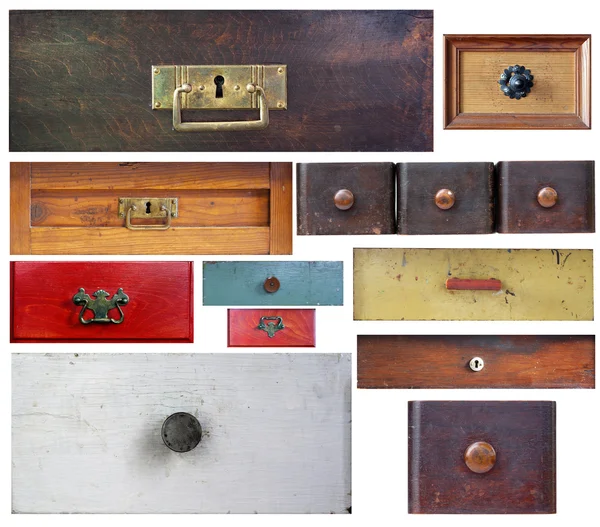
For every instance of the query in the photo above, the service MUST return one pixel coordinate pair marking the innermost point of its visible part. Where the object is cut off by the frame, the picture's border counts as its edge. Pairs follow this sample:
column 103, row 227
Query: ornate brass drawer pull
column 273, row 325
column 219, row 88
column 100, row 305
column 148, row 208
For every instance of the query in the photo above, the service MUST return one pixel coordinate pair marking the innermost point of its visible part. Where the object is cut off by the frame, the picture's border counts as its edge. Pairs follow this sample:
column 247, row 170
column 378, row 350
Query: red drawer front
column 160, row 307
column 288, row 328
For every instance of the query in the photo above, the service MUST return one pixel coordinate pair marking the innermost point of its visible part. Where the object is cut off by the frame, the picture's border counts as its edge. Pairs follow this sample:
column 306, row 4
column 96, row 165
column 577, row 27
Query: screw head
column 157, row 104
column 280, row 104
column 201, row 87
column 251, row 88
column 156, row 71
column 236, row 87
column 279, row 70
column 121, row 200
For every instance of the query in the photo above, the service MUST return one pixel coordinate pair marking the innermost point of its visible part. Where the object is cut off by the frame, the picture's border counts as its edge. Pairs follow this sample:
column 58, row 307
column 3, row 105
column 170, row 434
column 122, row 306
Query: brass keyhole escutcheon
column 219, row 81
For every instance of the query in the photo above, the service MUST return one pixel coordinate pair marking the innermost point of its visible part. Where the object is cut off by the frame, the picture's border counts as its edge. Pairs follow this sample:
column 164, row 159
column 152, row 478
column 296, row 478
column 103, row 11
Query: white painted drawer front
column 86, row 433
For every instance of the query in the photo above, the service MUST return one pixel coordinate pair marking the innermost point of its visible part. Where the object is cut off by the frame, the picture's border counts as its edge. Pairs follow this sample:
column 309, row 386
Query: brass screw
column 201, row 87
column 121, row 200
column 157, row 104
column 156, row 71
column 279, row 70
column 280, row 104
column 236, row 87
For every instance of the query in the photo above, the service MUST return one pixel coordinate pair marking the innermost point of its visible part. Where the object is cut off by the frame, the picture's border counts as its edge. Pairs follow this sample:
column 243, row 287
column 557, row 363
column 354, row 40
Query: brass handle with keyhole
column 163, row 227
column 221, row 126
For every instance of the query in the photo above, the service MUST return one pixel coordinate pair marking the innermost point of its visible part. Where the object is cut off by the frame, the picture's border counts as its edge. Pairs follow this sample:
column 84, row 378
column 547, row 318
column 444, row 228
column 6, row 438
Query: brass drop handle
column 100, row 305
column 470, row 284
column 181, row 432
column 221, row 126
column 133, row 227
column 272, row 325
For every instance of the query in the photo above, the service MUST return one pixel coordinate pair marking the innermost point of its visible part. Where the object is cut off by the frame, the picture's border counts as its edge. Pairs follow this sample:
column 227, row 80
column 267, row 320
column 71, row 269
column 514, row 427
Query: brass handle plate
column 100, row 305
column 149, row 209
column 271, row 325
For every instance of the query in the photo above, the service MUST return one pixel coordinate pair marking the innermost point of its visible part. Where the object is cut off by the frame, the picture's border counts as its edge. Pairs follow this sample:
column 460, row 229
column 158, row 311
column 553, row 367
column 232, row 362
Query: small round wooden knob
column 480, row 457
column 547, row 197
column 343, row 199
column 271, row 285
column 181, row 432
column 445, row 199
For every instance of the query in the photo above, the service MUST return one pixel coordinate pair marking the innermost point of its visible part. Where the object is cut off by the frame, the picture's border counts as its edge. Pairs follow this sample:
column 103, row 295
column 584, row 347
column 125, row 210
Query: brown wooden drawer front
column 223, row 208
column 445, row 198
column 368, row 208
column 464, row 361
column 356, row 80
column 568, row 208
column 523, row 436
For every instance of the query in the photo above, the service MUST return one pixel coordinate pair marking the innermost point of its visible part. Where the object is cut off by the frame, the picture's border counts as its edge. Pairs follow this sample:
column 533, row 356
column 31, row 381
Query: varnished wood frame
column 580, row 44
column 280, row 215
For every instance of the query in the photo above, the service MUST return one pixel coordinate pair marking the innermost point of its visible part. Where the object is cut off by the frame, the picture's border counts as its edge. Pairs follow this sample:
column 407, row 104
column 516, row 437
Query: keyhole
column 476, row 363
column 148, row 207
column 219, row 81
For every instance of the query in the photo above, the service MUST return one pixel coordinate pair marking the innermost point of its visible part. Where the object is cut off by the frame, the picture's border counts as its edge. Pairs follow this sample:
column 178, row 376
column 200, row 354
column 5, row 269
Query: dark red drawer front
column 160, row 306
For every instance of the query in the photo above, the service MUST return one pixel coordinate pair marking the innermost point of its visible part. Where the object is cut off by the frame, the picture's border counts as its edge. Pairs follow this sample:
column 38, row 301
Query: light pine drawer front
column 86, row 433
column 294, row 284
column 411, row 284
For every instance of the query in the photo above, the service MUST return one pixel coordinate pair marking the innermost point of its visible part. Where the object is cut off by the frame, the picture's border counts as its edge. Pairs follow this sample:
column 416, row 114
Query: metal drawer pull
column 271, row 285
column 272, row 327
column 181, row 432
column 468, row 284
column 343, row 199
column 547, row 197
column 445, row 199
column 100, row 306
column 480, row 457
column 133, row 227
column 221, row 126
column 516, row 82
column 148, row 208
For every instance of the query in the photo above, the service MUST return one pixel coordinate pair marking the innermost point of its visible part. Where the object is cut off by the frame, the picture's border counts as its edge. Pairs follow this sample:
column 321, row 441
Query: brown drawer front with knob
column 546, row 196
column 482, row 457
column 346, row 198
column 445, row 198
column 476, row 361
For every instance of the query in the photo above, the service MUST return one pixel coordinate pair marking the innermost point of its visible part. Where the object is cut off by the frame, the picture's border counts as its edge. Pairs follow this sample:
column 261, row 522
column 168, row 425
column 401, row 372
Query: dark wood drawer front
column 464, row 361
column 445, row 198
column 346, row 198
column 546, row 196
column 444, row 438
column 356, row 80
column 146, row 301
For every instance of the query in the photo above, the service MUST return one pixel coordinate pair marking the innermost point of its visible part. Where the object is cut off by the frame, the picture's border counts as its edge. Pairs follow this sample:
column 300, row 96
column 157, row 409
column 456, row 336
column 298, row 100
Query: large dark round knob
column 343, row 199
column 547, row 197
column 516, row 82
column 444, row 199
column 271, row 285
column 181, row 432
column 480, row 457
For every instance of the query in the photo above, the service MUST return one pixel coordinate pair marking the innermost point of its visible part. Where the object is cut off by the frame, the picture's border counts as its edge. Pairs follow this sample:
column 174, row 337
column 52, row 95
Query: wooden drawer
column 356, row 80
column 546, row 196
column 217, row 208
column 445, row 198
column 117, row 301
column 87, row 438
column 461, row 361
column 437, row 284
column 273, row 283
column 486, row 76
column 346, row 198
column 278, row 328
column 447, row 458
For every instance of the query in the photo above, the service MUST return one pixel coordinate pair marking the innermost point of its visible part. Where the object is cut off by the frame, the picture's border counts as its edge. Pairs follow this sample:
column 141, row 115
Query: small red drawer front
column 298, row 328
column 160, row 307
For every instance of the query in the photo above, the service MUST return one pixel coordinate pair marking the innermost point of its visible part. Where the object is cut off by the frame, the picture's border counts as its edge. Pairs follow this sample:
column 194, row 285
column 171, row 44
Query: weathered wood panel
column 301, row 283
column 86, row 433
column 357, row 80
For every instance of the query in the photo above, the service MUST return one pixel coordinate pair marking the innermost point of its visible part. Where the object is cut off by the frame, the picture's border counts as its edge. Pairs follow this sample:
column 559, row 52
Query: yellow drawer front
column 410, row 284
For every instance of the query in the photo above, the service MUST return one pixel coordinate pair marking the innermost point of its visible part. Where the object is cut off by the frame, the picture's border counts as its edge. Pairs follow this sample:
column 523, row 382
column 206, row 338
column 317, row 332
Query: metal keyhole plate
column 476, row 364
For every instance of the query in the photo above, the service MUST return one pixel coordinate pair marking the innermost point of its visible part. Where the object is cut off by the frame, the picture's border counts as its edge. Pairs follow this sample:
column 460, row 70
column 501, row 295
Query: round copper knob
column 343, row 199
column 271, row 285
column 547, row 197
column 480, row 457
column 445, row 199
column 181, row 432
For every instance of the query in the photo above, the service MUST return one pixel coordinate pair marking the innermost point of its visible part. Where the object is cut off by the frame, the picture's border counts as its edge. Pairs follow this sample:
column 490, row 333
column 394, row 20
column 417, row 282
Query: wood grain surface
column 280, row 209
column 357, row 80
column 410, row 284
column 442, row 361
column 20, row 203
column 473, row 188
column 301, row 283
column 86, row 433
column 160, row 307
column 298, row 331
column 519, row 183
column 523, row 434
column 372, row 185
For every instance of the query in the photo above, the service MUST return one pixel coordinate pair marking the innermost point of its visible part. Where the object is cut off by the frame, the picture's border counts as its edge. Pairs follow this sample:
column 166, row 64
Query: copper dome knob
column 547, row 197
column 480, row 457
column 445, row 199
column 343, row 199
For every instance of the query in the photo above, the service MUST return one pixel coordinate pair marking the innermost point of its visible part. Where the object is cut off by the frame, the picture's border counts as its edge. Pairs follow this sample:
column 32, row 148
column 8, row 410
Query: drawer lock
column 476, row 364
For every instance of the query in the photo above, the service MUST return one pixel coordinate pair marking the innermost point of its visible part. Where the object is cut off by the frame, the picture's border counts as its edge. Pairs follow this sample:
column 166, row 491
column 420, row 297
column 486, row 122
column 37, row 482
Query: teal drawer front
column 296, row 284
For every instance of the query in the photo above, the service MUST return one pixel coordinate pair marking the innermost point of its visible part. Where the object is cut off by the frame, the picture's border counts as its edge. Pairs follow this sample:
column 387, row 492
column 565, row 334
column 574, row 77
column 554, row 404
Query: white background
column 379, row 416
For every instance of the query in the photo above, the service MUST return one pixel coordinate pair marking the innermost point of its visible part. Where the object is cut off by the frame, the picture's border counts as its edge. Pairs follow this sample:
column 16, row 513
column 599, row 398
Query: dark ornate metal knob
column 516, row 82
column 181, row 432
